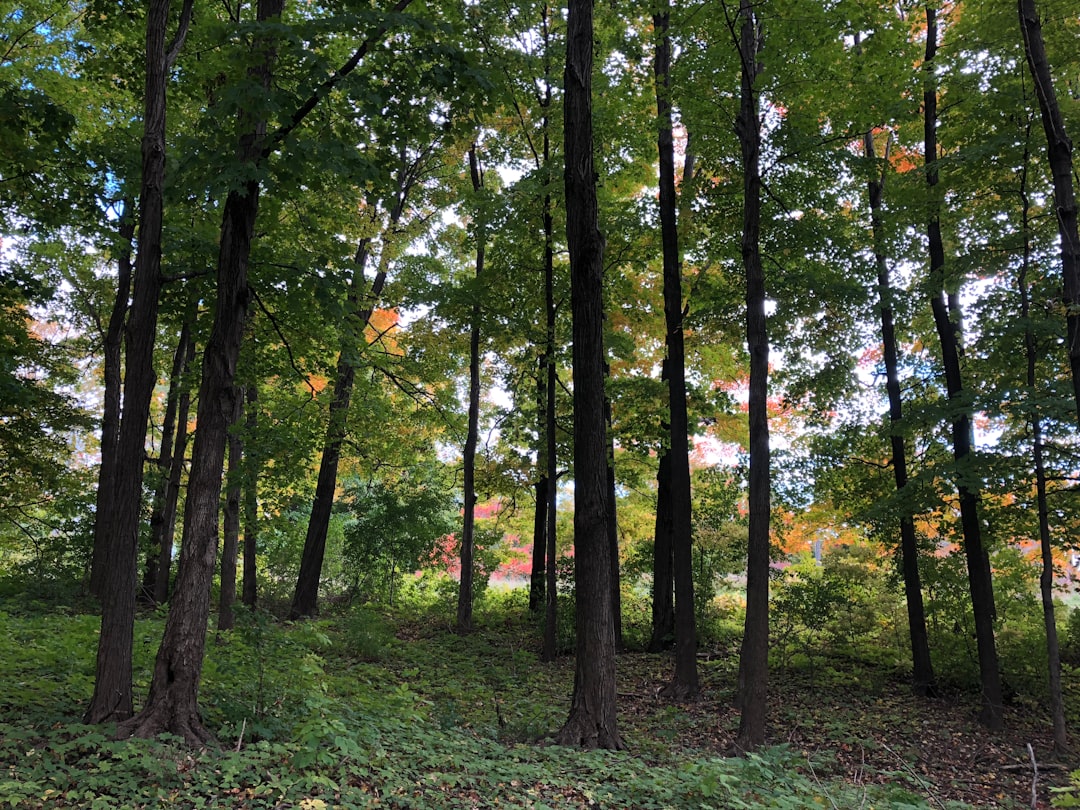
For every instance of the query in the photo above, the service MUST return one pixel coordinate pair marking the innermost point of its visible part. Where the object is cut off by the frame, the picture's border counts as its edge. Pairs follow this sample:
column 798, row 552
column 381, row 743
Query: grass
column 372, row 709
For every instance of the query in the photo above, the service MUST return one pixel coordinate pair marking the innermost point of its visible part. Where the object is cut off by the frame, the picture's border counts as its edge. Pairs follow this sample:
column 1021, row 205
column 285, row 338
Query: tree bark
column 468, row 533
column 112, row 380
column 923, row 682
column 946, row 310
column 684, row 685
column 251, row 501
column 112, row 699
column 754, row 653
column 1059, row 157
column 592, row 722
column 230, row 519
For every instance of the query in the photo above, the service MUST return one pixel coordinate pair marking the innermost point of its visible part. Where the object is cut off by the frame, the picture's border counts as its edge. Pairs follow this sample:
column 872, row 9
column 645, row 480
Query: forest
column 475, row 403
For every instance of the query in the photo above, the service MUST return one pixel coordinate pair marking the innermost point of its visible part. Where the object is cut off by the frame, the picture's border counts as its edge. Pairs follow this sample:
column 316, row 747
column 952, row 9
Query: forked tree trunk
column 173, row 703
column 112, row 380
column 946, row 309
column 1059, row 157
column 468, row 530
column 923, row 682
column 684, row 684
column 592, row 722
column 754, row 653
column 112, row 699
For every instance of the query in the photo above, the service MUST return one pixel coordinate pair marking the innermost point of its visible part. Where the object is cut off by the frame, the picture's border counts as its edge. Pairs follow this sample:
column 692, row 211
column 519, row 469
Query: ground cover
column 368, row 709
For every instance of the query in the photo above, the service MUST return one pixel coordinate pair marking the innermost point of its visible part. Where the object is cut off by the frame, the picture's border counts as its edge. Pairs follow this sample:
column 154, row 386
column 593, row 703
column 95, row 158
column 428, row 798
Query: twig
column 240, row 739
column 1034, row 778
column 914, row 774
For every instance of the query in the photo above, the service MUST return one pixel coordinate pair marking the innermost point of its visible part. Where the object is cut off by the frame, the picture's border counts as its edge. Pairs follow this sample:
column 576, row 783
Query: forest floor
column 371, row 709
column 866, row 731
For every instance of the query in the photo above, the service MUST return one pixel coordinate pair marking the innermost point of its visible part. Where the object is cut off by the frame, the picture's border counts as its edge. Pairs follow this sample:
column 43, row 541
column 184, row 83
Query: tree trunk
column 185, row 348
column 536, row 572
column 592, row 722
column 251, row 501
column 173, row 704
column 465, row 585
column 539, row 523
column 663, row 585
column 923, row 682
column 230, row 519
column 306, row 595
column 1059, row 157
column 1046, row 577
column 612, row 522
column 754, row 653
column 112, row 699
column 946, row 309
column 164, row 541
column 684, row 685
column 551, row 595
column 112, row 380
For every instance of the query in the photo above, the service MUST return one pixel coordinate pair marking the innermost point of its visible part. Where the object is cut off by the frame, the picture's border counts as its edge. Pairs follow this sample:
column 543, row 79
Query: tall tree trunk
column 468, row 534
column 164, row 541
column 110, row 417
column 305, row 597
column 551, row 387
column 251, row 500
column 536, row 572
column 663, row 585
column 923, row 682
column 173, row 703
column 684, row 684
column 946, row 309
column 1046, row 577
column 185, row 348
column 230, row 518
column 1059, row 157
column 592, row 721
column 754, row 653
column 112, row 699
column 612, row 522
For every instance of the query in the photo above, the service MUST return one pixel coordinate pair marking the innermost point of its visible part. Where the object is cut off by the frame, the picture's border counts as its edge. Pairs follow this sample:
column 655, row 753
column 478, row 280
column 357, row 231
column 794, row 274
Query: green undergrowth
column 366, row 710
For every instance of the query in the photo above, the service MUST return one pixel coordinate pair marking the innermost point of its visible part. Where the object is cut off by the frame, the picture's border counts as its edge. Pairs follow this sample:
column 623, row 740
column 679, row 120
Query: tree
column 112, row 699
column 754, row 653
column 922, row 668
column 684, row 685
column 230, row 520
column 592, row 722
column 1059, row 156
column 946, row 309
column 173, row 701
column 465, row 589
